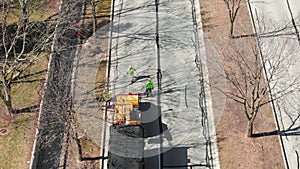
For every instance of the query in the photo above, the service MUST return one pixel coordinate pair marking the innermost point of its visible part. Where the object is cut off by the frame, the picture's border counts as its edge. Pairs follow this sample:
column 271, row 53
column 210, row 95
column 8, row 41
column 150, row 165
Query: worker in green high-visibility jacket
column 131, row 72
column 149, row 87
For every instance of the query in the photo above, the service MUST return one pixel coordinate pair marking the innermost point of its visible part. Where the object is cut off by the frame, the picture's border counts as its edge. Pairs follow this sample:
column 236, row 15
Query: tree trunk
column 231, row 28
column 23, row 4
column 8, row 106
column 6, row 97
column 94, row 16
column 250, row 128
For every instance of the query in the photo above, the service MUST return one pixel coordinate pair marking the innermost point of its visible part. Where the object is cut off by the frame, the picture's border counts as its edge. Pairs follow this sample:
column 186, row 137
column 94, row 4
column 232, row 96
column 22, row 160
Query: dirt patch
column 89, row 148
column 53, row 4
column 4, row 117
column 3, row 131
column 87, row 161
column 235, row 149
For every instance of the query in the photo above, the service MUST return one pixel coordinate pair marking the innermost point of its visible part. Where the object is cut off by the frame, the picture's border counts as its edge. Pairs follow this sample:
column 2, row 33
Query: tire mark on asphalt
column 297, row 155
column 185, row 90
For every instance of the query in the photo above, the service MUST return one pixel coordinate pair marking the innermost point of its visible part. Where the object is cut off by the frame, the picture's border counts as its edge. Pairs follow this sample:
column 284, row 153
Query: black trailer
column 126, row 147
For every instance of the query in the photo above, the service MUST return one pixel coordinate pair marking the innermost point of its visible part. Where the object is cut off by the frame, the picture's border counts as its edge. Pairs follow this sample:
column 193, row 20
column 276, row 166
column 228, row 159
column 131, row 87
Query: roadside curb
column 208, row 99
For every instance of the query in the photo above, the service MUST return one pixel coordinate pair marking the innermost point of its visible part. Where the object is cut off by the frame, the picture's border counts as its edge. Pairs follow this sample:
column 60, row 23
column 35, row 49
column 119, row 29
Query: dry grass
column 100, row 80
column 89, row 148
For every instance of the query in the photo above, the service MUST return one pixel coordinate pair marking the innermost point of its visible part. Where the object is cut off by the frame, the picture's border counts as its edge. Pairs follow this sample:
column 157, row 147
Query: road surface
column 163, row 40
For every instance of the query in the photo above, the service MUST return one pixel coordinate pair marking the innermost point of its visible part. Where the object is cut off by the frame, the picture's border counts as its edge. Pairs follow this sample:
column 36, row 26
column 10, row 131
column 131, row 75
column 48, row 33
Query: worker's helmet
column 149, row 79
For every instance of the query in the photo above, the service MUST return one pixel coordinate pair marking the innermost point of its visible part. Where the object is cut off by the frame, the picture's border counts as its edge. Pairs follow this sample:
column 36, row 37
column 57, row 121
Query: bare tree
column 245, row 73
column 22, row 43
column 233, row 7
column 255, row 77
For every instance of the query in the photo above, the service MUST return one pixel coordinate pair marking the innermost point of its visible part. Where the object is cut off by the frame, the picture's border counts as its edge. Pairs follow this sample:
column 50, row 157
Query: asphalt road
column 162, row 40
column 275, row 15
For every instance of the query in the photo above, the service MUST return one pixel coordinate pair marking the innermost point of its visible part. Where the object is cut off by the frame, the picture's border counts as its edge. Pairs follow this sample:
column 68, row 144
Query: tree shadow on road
column 140, row 78
column 292, row 130
column 288, row 132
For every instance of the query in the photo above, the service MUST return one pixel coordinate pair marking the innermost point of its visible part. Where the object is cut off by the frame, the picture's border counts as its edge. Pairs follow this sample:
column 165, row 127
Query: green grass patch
column 16, row 144
column 27, row 90
column 37, row 13
column 104, row 6
column 42, row 14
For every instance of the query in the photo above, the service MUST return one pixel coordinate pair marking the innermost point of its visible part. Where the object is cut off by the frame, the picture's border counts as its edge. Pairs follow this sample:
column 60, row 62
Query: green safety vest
column 131, row 71
column 149, row 85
